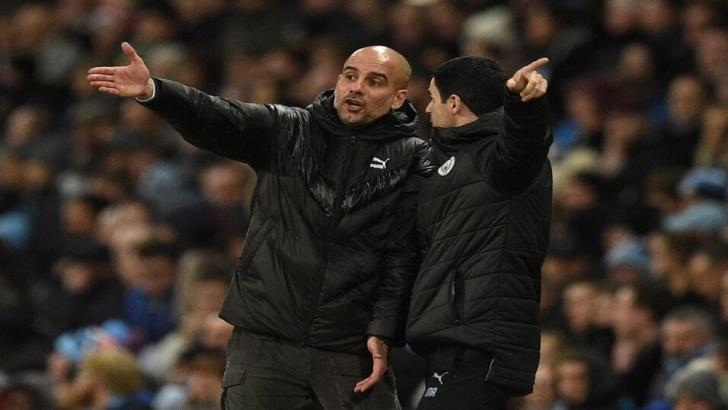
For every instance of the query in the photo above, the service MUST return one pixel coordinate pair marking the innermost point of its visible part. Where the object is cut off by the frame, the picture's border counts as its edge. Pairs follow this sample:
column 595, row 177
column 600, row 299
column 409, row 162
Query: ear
column 399, row 99
column 454, row 104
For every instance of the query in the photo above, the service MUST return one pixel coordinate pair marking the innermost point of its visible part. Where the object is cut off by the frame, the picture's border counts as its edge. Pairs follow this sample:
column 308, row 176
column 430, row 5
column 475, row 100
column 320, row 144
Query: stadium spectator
column 686, row 333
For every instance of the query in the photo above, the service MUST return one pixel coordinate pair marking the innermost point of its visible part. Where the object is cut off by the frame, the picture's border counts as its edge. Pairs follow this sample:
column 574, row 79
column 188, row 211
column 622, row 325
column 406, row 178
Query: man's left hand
column 380, row 359
column 527, row 82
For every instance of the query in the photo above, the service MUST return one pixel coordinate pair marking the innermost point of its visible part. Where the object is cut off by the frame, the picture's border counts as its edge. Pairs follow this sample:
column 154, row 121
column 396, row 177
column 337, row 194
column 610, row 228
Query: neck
column 464, row 119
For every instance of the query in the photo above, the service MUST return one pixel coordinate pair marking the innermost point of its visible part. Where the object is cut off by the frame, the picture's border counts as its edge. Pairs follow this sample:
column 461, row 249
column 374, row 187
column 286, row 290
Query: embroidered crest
column 446, row 167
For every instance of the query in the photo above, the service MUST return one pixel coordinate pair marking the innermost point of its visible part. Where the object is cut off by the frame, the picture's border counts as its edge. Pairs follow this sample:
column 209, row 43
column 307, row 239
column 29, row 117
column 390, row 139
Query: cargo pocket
column 352, row 365
column 350, row 369
column 346, row 371
column 233, row 388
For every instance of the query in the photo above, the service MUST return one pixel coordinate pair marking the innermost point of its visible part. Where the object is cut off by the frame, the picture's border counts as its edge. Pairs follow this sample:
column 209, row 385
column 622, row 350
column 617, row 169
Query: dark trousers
column 457, row 381
column 265, row 373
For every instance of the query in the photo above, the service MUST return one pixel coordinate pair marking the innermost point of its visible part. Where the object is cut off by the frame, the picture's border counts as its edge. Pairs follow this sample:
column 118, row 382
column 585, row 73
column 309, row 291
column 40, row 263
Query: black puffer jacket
column 485, row 217
column 331, row 251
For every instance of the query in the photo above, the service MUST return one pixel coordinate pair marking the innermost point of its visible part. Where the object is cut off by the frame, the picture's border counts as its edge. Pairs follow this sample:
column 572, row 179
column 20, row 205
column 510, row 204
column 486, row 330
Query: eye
column 350, row 76
column 375, row 82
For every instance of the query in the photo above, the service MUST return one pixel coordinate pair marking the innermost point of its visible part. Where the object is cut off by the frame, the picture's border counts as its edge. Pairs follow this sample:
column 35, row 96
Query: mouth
column 353, row 105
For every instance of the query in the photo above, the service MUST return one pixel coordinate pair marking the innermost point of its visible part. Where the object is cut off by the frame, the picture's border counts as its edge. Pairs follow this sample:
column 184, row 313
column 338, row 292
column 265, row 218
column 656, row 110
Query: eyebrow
column 380, row 75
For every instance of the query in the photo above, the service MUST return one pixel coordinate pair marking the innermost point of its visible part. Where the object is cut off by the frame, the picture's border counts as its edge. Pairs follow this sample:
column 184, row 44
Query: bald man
column 321, row 289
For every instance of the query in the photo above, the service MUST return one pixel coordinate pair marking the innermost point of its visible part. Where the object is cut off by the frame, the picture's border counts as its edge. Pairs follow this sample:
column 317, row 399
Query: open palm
column 125, row 81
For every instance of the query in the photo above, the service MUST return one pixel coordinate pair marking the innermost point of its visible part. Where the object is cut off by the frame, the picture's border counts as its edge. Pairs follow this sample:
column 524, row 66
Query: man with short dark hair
column 484, row 217
column 331, row 251
column 686, row 333
column 636, row 351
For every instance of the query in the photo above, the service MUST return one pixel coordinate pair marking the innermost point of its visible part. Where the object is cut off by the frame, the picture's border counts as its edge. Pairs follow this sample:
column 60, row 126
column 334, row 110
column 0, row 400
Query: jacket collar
column 398, row 123
column 452, row 139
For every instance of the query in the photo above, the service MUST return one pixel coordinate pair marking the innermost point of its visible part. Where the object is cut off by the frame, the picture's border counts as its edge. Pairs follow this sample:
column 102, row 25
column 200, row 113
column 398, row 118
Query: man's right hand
column 128, row 81
column 527, row 82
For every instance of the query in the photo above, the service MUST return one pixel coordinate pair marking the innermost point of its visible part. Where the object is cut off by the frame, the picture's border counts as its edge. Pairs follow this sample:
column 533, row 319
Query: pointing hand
column 527, row 82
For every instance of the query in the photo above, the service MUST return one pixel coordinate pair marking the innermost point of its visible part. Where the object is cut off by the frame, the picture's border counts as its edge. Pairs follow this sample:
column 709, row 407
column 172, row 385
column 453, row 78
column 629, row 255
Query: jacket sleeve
column 233, row 129
column 401, row 258
column 522, row 147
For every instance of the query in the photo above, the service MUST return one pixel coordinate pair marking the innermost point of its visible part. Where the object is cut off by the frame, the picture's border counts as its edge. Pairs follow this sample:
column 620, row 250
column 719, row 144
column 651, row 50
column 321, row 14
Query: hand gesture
column 380, row 358
column 527, row 82
column 127, row 81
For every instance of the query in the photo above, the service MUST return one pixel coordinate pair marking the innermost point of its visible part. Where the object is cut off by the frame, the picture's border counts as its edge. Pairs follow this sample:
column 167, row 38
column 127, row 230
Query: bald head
column 372, row 83
column 400, row 67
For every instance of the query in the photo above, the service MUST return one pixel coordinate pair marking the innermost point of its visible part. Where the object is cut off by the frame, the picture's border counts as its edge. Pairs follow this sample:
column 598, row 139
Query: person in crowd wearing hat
column 331, row 251
column 703, row 191
column 627, row 262
column 695, row 390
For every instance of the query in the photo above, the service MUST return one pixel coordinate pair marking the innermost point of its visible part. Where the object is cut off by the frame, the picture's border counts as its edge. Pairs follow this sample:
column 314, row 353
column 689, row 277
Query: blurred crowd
column 117, row 239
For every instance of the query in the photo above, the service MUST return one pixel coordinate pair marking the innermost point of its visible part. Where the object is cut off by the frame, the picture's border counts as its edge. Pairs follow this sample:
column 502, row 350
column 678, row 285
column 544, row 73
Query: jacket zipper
column 455, row 296
column 334, row 222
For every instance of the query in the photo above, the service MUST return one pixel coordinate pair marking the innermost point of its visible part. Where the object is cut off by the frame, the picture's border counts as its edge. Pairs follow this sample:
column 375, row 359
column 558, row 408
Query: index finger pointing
column 536, row 64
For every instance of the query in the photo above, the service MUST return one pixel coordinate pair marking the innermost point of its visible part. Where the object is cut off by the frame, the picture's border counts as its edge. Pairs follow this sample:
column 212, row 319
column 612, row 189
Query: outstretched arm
column 233, row 129
column 522, row 150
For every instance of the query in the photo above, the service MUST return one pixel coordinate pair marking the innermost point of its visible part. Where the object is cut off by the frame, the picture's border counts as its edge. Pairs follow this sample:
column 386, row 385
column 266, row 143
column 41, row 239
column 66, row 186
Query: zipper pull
column 453, row 301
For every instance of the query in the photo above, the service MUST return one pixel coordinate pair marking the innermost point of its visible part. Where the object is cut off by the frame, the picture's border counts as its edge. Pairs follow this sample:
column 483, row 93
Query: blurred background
column 118, row 239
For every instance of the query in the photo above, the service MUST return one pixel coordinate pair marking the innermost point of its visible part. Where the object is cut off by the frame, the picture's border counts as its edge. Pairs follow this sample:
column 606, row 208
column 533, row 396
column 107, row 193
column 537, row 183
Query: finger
column 105, row 84
column 102, row 70
column 379, row 367
column 100, row 77
column 539, row 90
column 528, row 97
column 363, row 385
column 129, row 50
column 531, row 96
column 515, row 84
column 107, row 90
column 367, row 383
column 536, row 64
column 531, row 84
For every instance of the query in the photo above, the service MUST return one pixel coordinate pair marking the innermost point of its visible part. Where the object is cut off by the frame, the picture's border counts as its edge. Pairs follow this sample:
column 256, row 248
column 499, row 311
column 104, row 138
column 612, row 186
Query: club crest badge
column 446, row 167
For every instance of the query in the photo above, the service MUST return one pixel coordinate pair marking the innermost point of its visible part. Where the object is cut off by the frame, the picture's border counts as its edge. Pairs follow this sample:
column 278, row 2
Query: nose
column 356, row 86
column 428, row 109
